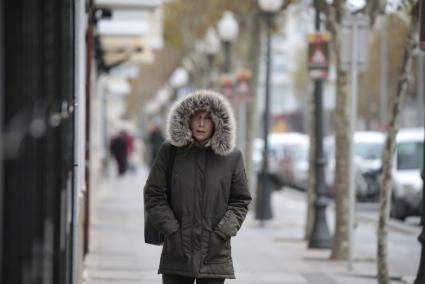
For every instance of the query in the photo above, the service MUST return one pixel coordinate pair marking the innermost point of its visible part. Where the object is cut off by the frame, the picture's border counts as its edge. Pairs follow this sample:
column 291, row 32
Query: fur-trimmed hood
column 178, row 130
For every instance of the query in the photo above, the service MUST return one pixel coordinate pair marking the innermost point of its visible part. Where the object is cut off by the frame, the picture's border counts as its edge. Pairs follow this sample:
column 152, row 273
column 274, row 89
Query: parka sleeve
column 239, row 200
column 155, row 195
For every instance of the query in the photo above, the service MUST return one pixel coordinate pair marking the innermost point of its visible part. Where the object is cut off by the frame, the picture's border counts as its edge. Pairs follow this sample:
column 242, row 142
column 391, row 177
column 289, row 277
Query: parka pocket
column 173, row 247
column 219, row 250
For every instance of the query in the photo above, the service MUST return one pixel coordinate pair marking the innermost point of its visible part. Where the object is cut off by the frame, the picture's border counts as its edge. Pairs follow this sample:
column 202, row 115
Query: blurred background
column 329, row 103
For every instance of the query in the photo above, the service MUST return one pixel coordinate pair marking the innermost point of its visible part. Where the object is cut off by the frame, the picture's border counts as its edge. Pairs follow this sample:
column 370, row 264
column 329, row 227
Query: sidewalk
column 275, row 253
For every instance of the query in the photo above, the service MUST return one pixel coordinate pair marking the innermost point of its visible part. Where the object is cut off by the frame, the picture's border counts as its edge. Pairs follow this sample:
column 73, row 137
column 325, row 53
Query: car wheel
column 398, row 209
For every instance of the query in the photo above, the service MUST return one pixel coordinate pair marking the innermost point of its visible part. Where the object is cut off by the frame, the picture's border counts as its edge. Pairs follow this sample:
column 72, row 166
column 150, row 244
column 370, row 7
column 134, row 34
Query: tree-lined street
column 328, row 97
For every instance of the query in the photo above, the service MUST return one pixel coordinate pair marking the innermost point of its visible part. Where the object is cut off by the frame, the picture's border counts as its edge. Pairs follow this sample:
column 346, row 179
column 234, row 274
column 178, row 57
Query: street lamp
column 319, row 236
column 211, row 46
column 228, row 29
column 179, row 79
column 263, row 209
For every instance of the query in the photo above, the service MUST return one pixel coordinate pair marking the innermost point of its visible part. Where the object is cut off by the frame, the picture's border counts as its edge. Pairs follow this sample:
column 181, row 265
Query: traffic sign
column 354, row 26
column 318, row 55
column 243, row 87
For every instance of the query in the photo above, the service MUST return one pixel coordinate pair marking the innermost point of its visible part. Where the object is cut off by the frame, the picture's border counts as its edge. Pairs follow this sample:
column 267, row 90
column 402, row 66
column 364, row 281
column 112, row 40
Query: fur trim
column 178, row 130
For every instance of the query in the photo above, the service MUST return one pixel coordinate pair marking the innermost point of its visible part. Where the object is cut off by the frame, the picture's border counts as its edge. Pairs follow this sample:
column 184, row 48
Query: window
column 410, row 155
column 368, row 151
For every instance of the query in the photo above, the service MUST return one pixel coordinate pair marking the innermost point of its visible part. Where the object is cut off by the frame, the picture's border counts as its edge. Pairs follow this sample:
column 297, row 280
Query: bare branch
column 374, row 8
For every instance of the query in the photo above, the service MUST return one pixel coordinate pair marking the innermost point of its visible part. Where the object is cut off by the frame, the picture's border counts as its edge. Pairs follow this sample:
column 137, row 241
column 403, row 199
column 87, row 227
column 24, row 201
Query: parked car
column 406, row 174
column 257, row 155
column 288, row 158
column 291, row 160
column 257, row 158
column 368, row 148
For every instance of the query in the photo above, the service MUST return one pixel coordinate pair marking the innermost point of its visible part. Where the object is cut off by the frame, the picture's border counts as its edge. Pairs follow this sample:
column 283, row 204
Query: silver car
column 406, row 174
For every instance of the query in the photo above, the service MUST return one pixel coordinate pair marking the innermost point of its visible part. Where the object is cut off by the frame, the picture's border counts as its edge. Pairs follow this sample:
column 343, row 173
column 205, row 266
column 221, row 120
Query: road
column 402, row 238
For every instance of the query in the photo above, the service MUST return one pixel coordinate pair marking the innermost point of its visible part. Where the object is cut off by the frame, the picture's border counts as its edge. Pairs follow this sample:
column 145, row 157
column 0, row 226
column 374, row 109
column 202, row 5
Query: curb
column 394, row 225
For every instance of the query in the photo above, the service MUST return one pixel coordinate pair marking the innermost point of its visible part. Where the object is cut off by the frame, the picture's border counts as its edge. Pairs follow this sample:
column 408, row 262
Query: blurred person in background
column 156, row 138
column 119, row 148
column 130, row 141
column 209, row 191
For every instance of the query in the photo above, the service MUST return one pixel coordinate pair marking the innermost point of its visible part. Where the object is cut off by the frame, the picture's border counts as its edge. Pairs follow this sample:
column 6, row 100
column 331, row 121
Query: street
column 330, row 89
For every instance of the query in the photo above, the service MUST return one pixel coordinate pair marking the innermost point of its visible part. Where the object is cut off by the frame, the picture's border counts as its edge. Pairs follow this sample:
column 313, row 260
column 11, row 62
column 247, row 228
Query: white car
column 368, row 149
column 288, row 158
column 291, row 158
column 257, row 155
column 406, row 174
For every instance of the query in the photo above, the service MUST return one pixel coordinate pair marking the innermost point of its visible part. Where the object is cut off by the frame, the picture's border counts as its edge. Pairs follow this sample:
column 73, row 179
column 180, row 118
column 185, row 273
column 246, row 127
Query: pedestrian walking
column 156, row 138
column 119, row 150
column 209, row 191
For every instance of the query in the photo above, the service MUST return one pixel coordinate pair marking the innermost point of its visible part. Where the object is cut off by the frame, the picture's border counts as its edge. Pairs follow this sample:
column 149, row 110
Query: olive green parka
column 209, row 192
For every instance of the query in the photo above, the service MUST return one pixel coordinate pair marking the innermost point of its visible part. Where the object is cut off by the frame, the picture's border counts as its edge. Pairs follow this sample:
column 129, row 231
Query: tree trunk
column 311, row 194
column 385, row 178
column 251, row 119
column 342, row 142
column 342, row 167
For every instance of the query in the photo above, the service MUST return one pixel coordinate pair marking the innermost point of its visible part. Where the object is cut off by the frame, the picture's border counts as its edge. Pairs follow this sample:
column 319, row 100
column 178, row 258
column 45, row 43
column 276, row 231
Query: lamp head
column 211, row 42
column 228, row 27
column 270, row 6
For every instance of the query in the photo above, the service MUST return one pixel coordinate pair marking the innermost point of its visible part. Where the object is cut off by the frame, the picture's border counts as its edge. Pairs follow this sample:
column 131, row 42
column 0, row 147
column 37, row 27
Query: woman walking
column 209, row 192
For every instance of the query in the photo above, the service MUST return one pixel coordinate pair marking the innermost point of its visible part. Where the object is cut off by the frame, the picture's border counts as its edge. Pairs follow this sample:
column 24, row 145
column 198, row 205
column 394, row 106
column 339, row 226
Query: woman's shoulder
column 235, row 155
column 165, row 148
column 236, row 152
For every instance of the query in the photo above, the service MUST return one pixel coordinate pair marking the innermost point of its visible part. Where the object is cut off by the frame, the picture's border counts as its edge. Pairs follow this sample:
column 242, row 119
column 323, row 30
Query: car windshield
column 410, row 155
column 368, row 151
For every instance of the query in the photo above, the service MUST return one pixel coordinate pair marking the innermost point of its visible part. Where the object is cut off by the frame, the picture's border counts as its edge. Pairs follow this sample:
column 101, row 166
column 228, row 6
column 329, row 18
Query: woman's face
column 201, row 126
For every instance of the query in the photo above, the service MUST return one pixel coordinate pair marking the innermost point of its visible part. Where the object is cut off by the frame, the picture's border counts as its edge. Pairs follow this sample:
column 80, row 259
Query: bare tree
column 251, row 119
column 385, row 178
column 342, row 167
column 343, row 146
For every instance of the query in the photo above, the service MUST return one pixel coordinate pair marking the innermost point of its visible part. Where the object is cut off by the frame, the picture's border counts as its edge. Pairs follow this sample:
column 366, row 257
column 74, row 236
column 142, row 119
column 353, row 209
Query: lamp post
column 319, row 236
column 263, row 210
column 228, row 29
column 211, row 48
column 178, row 79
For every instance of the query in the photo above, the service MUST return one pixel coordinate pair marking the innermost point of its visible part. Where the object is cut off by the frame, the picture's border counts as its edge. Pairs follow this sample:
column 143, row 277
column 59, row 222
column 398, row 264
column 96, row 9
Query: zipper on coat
column 191, row 231
column 204, row 183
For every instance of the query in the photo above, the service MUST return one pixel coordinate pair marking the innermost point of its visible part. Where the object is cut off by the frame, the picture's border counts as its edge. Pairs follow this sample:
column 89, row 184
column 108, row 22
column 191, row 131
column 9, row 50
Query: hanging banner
column 318, row 55
column 242, row 95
